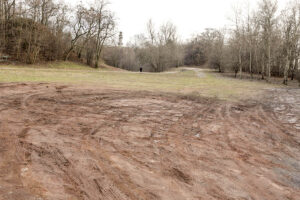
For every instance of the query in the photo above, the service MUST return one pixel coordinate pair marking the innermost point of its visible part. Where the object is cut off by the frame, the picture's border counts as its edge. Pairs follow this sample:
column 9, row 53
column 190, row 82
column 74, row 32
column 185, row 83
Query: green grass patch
column 183, row 82
column 57, row 65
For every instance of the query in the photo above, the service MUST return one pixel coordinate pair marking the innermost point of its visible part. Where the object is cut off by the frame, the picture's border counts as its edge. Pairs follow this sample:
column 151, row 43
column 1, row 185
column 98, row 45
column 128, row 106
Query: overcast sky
column 190, row 16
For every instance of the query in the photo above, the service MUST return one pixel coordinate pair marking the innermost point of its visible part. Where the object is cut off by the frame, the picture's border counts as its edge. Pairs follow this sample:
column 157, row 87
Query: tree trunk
column 293, row 64
column 235, row 73
column 256, row 59
column 269, row 60
column 292, row 67
column 295, row 68
column 67, row 54
column 286, row 69
column 250, row 64
column 97, row 61
column 263, row 69
column 240, row 62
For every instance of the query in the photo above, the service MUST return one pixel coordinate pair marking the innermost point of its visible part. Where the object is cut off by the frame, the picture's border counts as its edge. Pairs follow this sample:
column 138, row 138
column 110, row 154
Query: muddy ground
column 61, row 142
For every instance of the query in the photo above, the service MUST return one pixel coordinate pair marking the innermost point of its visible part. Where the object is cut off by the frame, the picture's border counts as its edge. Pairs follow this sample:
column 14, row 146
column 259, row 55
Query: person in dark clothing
column 141, row 69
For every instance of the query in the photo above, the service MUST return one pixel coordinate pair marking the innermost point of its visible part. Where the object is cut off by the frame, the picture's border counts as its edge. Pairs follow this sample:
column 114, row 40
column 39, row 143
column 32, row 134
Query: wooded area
column 263, row 41
column 46, row 30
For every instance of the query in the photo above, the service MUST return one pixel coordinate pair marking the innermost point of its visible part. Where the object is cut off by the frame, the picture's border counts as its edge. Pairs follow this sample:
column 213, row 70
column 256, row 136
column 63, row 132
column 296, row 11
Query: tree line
column 260, row 41
column 48, row 30
column 263, row 41
column 157, row 50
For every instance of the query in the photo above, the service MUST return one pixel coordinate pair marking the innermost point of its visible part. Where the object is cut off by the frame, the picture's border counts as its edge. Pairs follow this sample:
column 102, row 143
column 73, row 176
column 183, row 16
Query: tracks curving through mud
column 60, row 142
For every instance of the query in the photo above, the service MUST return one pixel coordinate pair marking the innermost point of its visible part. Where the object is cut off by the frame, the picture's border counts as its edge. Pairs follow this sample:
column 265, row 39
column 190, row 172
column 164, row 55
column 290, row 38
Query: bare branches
column 151, row 32
column 96, row 24
column 104, row 27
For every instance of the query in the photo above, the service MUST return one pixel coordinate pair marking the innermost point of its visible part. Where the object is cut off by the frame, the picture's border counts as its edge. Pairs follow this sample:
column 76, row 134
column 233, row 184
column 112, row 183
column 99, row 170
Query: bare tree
column 167, row 34
column 105, row 27
column 48, row 9
column 7, row 13
column 79, row 28
column 291, row 25
column 151, row 31
column 267, row 13
column 238, row 34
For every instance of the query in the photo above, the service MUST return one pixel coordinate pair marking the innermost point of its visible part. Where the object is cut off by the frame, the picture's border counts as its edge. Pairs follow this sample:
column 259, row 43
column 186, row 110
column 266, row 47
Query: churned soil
column 66, row 143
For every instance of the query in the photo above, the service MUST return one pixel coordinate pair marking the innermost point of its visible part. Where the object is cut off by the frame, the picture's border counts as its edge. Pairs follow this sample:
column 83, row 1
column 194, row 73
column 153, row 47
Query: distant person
column 141, row 69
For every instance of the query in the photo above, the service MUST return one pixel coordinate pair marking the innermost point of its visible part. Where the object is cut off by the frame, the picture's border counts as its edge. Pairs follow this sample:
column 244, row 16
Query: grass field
column 183, row 82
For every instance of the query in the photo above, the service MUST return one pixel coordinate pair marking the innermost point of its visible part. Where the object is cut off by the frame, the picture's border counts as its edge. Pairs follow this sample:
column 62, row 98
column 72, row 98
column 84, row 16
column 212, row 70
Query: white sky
column 190, row 16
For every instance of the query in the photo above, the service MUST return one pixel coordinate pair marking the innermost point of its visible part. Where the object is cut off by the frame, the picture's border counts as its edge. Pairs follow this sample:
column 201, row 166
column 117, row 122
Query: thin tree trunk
column 292, row 67
column 256, row 59
column 269, row 60
column 250, row 63
column 295, row 68
column 67, row 54
column 263, row 68
column 293, row 64
column 286, row 68
column 240, row 63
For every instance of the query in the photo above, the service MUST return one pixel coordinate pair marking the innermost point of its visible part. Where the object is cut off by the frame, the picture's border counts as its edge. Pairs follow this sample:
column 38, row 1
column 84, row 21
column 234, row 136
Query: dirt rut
column 59, row 142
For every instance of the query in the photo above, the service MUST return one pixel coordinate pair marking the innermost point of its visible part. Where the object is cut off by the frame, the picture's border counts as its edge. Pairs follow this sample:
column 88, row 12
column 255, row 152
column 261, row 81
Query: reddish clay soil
column 66, row 143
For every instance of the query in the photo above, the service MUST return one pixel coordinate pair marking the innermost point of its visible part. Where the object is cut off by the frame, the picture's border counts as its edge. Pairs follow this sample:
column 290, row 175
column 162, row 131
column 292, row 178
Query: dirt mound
column 60, row 142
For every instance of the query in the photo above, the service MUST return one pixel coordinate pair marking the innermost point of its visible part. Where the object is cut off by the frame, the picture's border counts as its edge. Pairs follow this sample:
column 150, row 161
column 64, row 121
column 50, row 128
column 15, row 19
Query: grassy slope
column 185, row 82
column 61, row 66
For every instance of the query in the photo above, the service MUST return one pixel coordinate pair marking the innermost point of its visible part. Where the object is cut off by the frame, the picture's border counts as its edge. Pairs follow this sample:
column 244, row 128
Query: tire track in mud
column 104, row 144
column 32, row 101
